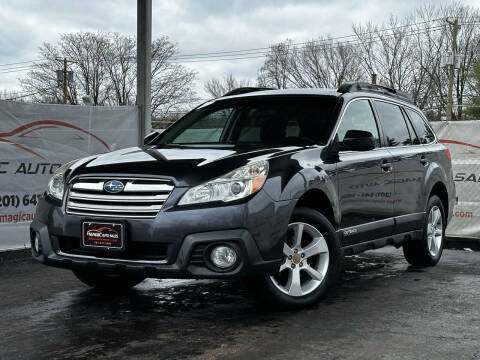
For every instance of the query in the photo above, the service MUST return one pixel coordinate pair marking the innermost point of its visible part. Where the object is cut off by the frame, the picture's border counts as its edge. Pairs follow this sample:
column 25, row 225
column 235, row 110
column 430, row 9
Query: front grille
column 137, row 250
column 140, row 198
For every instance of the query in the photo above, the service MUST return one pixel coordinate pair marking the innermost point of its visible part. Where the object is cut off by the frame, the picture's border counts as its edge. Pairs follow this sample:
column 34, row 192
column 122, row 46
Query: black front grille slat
column 197, row 257
column 134, row 250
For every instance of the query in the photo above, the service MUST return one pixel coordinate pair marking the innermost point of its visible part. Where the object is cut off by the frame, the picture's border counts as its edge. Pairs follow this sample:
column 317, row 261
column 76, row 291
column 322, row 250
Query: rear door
column 408, row 164
column 365, row 180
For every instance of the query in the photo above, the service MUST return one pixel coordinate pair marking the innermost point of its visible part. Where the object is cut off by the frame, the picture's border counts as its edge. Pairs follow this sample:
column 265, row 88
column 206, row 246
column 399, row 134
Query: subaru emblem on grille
column 113, row 186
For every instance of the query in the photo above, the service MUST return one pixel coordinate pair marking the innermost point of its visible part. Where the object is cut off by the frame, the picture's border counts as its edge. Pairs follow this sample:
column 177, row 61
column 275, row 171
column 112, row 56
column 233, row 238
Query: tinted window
column 272, row 125
column 393, row 124
column 358, row 116
column 424, row 133
column 207, row 129
column 413, row 135
column 262, row 120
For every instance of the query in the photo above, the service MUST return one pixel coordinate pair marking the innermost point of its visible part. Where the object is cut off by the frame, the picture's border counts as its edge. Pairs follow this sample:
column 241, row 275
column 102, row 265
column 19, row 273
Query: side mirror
column 358, row 140
column 147, row 140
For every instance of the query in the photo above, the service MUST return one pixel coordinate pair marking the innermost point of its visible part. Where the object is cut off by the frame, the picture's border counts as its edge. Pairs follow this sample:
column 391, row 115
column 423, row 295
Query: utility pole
column 454, row 27
column 65, row 80
column 144, row 67
column 374, row 79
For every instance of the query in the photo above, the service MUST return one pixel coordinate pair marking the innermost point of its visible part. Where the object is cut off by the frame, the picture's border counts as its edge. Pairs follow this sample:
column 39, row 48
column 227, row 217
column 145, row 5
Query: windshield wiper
column 201, row 143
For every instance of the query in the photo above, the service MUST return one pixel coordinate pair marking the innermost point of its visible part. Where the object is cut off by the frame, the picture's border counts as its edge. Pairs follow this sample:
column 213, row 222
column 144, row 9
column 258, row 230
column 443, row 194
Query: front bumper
column 255, row 228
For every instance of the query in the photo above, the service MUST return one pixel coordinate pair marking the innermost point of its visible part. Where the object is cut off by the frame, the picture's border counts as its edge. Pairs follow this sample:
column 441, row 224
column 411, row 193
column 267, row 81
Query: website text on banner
column 463, row 140
column 35, row 139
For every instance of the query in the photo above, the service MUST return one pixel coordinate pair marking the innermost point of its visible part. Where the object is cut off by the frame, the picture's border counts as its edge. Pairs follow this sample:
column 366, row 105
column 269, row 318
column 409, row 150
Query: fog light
column 223, row 256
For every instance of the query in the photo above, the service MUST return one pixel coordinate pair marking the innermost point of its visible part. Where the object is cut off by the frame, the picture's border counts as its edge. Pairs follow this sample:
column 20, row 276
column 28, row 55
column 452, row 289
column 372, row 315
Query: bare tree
column 10, row 95
column 273, row 73
column 324, row 64
column 434, row 44
column 218, row 87
column 428, row 86
column 388, row 53
column 473, row 110
column 171, row 83
column 318, row 63
column 41, row 81
column 105, row 70
column 408, row 57
column 86, row 50
column 405, row 54
column 121, row 70
column 468, row 45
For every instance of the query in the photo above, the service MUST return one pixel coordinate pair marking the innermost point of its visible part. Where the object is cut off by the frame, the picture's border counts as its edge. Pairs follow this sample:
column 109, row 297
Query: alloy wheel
column 305, row 262
column 434, row 231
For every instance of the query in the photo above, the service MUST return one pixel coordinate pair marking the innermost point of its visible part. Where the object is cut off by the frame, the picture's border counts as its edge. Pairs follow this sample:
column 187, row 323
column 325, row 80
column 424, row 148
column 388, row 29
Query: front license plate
column 102, row 235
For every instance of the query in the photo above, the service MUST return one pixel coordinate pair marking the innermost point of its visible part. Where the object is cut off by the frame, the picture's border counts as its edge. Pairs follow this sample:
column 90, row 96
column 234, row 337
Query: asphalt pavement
column 383, row 309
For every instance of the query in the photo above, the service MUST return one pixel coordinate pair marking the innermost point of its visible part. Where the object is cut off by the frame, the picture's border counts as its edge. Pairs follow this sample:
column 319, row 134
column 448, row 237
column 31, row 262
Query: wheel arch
column 318, row 200
column 439, row 189
column 436, row 183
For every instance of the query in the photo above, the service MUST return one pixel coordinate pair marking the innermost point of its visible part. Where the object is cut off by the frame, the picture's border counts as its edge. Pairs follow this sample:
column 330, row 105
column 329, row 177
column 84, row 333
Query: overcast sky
column 197, row 26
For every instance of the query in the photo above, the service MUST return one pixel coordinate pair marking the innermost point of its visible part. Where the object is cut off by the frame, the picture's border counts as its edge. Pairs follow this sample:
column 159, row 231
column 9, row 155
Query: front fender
column 316, row 178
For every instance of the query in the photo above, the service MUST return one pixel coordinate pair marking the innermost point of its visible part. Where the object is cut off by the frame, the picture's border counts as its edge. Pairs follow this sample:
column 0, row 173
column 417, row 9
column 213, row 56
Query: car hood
column 186, row 166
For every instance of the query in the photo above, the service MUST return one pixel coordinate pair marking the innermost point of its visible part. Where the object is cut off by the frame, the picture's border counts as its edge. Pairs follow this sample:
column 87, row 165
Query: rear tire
column 108, row 282
column 312, row 262
column 428, row 251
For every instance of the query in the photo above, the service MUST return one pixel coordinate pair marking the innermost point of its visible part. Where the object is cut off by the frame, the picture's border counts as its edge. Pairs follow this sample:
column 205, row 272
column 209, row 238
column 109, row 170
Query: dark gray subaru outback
column 272, row 185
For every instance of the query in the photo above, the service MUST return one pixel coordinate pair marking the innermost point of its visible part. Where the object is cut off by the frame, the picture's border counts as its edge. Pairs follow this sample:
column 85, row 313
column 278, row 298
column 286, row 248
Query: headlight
column 56, row 184
column 235, row 185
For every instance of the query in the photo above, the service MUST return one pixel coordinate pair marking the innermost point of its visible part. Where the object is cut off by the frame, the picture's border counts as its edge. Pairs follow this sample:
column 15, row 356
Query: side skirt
column 396, row 240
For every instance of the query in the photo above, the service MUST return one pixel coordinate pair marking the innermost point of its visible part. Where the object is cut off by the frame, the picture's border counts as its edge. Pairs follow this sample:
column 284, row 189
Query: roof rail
column 244, row 90
column 384, row 90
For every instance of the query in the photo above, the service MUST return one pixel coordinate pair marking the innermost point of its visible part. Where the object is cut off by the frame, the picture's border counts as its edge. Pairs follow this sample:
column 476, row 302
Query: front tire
column 108, row 282
column 312, row 262
column 428, row 251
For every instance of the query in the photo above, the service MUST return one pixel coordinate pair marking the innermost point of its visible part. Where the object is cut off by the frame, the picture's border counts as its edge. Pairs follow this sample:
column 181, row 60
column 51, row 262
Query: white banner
column 462, row 138
column 35, row 139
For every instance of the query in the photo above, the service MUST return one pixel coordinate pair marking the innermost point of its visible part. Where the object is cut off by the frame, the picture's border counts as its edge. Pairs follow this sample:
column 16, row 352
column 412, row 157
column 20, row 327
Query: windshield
column 264, row 120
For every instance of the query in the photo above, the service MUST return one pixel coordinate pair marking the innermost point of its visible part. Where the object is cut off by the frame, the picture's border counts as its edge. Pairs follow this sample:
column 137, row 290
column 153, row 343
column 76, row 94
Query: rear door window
column 413, row 134
column 425, row 135
column 393, row 124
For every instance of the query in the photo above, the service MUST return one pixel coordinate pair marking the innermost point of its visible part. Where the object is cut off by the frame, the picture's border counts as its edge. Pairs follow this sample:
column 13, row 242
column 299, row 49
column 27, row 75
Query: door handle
column 423, row 160
column 386, row 166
